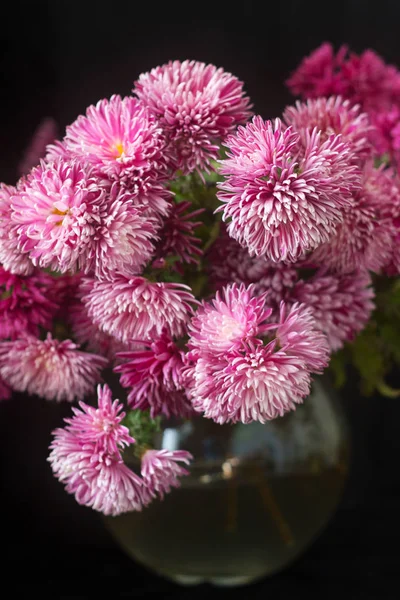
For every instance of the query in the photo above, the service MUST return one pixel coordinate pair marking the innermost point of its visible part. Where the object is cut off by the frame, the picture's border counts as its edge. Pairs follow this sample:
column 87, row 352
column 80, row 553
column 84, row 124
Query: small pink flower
column 160, row 470
column 341, row 304
column 197, row 106
column 154, row 378
column 137, row 309
column 51, row 369
column 280, row 200
column 45, row 134
column 58, row 210
column 26, row 303
column 232, row 318
column 11, row 257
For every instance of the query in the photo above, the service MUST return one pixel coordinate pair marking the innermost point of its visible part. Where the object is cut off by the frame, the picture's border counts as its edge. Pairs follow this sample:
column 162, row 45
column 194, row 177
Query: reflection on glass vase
column 256, row 497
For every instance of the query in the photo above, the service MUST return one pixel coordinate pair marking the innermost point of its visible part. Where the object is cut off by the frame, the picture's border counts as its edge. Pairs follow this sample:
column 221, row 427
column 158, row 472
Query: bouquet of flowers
column 211, row 259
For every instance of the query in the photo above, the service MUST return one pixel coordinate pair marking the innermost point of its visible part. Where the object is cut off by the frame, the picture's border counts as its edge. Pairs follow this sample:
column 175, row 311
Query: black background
column 57, row 58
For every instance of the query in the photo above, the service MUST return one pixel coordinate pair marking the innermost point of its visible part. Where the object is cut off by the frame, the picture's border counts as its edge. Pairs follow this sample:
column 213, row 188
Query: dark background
column 57, row 58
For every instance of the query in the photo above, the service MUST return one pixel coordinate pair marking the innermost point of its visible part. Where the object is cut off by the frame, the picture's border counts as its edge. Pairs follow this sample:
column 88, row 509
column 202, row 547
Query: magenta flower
column 154, row 378
column 45, row 134
column 341, row 304
column 332, row 116
column 234, row 317
column 51, row 369
column 197, row 106
column 386, row 133
column 160, row 470
column 58, row 210
column 26, row 303
column 11, row 257
column 280, row 203
column 298, row 336
column 5, row 390
column 137, row 309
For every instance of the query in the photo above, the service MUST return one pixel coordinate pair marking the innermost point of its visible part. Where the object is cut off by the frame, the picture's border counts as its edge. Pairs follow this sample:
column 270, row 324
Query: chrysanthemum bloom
column 26, row 303
column 197, row 106
column 160, row 470
column 228, row 262
column 177, row 237
column 122, row 141
column 137, row 309
column 279, row 203
column 257, row 384
column 341, row 304
column 333, row 116
column 153, row 376
column 98, row 479
column 386, row 133
column 319, row 74
column 58, row 210
column 5, row 390
column 45, row 134
column 51, row 369
column 11, row 257
column 233, row 317
column 364, row 238
column 123, row 240
column 298, row 336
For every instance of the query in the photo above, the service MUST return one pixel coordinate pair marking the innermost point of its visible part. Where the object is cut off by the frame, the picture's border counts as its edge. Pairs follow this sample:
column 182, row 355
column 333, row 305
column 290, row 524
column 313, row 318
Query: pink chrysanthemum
column 341, row 304
column 298, row 336
column 279, row 203
column 5, row 390
column 45, row 134
column 137, row 309
column 26, row 303
column 234, row 317
column 197, row 106
column 177, row 237
column 154, row 378
column 122, row 141
column 319, row 73
column 160, row 470
column 11, row 257
column 58, row 210
column 258, row 384
column 364, row 238
column 51, row 369
column 386, row 133
column 332, row 116
column 97, row 479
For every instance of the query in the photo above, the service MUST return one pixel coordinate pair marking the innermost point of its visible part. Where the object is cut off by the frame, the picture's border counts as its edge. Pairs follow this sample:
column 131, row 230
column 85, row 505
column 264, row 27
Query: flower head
column 160, row 470
column 197, row 105
column 341, row 304
column 26, row 303
column 58, row 210
column 51, row 369
column 11, row 256
column 137, row 309
column 282, row 200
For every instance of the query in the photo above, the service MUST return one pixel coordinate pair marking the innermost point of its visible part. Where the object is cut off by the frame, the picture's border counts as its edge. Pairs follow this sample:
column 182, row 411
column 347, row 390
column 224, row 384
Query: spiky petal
column 160, row 470
column 11, row 256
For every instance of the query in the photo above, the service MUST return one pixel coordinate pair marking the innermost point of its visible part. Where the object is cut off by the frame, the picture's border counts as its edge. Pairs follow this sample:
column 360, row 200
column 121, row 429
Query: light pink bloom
column 51, row 369
column 341, row 304
column 364, row 238
column 197, row 106
column 5, row 390
column 299, row 336
column 45, row 134
column 160, row 470
column 58, row 210
column 137, row 309
column 11, row 257
column 257, row 384
column 154, row 378
column 26, row 303
column 280, row 203
column 333, row 115
column 232, row 318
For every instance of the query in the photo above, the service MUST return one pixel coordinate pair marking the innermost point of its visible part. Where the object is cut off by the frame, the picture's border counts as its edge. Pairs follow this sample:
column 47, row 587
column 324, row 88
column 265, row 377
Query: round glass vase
column 256, row 497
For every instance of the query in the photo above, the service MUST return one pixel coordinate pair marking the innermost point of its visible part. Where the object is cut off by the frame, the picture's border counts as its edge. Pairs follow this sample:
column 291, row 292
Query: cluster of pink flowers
column 212, row 259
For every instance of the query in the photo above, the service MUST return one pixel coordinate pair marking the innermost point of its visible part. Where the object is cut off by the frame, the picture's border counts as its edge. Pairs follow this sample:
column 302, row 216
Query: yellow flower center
column 118, row 149
column 55, row 211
